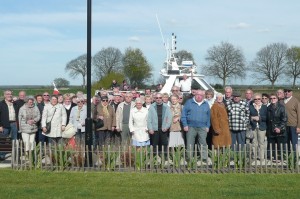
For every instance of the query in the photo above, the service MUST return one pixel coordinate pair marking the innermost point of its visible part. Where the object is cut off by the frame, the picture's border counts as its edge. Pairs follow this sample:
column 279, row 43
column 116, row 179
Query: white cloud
column 134, row 39
column 241, row 25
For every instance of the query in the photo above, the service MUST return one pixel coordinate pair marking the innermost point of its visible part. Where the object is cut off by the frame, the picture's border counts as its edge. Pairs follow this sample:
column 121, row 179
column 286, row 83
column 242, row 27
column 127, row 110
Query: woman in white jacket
column 77, row 118
column 138, row 124
column 29, row 115
column 55, row 113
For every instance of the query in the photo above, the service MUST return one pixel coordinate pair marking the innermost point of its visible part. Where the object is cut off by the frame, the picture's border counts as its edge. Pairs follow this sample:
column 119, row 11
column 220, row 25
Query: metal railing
column 240, row 159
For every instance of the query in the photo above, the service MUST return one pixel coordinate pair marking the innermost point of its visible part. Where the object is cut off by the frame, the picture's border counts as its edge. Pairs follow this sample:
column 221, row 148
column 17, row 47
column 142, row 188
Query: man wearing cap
column 238, row 115
column 292, row 108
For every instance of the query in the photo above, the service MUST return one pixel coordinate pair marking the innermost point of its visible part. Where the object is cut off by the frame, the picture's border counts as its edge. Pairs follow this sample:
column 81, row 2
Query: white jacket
column 59, row 119
column 138, row 124
column 80, row 123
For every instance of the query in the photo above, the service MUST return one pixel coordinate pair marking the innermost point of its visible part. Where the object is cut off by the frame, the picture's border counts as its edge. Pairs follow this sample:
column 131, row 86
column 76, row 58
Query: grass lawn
column 38, row 184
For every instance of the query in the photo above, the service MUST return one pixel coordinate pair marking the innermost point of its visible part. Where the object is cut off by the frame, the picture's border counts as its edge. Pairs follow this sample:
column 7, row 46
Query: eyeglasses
column 104, row 100
column 257, row 99
column 158, row 97
column 45, row 95
column 273, row 98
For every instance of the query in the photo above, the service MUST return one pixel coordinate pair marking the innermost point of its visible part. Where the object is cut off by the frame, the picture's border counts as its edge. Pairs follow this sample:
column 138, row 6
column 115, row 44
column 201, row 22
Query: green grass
column 37, row 184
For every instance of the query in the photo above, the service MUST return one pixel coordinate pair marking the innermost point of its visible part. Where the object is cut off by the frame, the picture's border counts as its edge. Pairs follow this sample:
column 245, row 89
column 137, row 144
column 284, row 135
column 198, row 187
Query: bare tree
column 183, row 55
column 225, row 61
column 78, row 67
column 292, row 68
column 107, row 60
column 270, row 62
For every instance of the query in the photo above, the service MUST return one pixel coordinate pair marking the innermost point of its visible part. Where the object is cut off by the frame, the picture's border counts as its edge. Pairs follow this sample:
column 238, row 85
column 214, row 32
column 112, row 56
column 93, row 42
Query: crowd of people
column 162, row 120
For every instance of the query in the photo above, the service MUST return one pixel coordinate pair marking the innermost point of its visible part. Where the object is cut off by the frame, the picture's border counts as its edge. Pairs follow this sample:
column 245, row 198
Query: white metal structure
column 173, row 72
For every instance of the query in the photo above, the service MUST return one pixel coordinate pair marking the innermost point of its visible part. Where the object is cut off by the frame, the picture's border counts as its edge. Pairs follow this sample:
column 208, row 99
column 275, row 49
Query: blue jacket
column 262, row 117
column 194, row 115
column 152, row 122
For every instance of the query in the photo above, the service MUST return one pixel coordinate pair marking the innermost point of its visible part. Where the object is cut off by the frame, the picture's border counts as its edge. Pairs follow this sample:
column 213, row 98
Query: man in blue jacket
column 195, row 119
column 159, row 122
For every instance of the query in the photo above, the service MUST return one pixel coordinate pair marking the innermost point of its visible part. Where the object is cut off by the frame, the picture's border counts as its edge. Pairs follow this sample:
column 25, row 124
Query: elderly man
column 159, row 121
column 280, row 96
column 238, row 115
column 292, row 108
column 195, row 119
column 122, row 118
column 8, row 118
column 248, row 96
column 228, row 94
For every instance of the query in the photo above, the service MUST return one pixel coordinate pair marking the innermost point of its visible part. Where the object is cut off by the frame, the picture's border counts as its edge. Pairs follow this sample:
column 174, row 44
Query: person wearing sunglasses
column 292, row 108
column 159, row 122
column 106, row 113
column 258, row 119
column 265, row 99
column 276, row 127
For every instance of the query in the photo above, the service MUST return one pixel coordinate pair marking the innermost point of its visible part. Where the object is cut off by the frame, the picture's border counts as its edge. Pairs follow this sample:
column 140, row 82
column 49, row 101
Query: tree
column 225, row 61
column 270, row 62
column 78, row 67
column 107, row 60
column 292, row 68
column 183, row 55
column 106, row 81
column 136, row 67
column 61, row 82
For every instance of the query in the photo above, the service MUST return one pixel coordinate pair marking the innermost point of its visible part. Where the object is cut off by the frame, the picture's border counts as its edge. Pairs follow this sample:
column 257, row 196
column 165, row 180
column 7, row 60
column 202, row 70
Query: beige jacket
column 119, row 114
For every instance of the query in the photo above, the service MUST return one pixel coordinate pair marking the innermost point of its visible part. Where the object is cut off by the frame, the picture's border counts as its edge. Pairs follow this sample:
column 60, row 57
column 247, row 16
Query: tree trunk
column 272, row 84
column 294, row 82
column 83, row 81
column 224, row 82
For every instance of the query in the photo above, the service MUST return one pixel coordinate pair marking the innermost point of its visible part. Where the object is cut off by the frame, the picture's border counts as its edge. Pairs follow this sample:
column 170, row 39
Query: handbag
column 249, row 134
column 69, row 131
column 99, row 124
column 48, row 124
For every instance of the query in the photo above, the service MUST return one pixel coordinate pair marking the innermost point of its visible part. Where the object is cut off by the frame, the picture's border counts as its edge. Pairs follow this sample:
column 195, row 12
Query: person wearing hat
column 238, row 115
column 106, row 113
column 292, row 108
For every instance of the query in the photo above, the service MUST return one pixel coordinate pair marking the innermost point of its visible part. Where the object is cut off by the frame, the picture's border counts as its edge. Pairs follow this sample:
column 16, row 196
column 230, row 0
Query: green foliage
column 136, row 67
column 61, row 82
column 106, row 81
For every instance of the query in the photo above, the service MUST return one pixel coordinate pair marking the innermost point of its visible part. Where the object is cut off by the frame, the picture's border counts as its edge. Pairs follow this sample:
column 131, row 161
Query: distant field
column 37, row 184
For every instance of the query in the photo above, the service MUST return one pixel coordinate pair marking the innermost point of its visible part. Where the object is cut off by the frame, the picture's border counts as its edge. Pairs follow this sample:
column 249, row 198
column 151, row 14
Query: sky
column 39, row 37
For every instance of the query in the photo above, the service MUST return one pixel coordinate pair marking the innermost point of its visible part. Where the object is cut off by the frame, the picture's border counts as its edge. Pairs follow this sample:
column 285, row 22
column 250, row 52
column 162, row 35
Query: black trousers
column 159, row 139
column 279, row 140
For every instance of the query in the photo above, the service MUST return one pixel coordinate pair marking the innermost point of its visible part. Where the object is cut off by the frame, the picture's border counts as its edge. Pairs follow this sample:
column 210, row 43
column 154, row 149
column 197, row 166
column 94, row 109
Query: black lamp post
column 89, row 121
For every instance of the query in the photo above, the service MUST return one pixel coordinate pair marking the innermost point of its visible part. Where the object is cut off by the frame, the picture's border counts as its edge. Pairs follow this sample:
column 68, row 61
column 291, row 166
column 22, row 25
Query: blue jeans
column 238, row 138
column 12, row 131
column 292, row 137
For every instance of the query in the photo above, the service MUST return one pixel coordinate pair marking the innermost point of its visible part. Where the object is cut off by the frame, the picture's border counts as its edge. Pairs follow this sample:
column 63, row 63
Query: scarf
column 105, row 111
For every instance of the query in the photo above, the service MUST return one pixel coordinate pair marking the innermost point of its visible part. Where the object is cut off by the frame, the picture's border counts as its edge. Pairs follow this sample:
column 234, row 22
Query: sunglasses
column 45, row 95
column 104, row 100
column 287, row 91
column 174, row 90
column 257, row 99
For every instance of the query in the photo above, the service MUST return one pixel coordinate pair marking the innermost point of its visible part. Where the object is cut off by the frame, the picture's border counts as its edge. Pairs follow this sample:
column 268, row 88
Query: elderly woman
column 165, row 98
column 56, row 114
column 209, row 97
column 219, row 122
column 29, row 116
column 176, row 137
column 258, row 118
column 148, row 101
column 77, row 118
column 138, row 124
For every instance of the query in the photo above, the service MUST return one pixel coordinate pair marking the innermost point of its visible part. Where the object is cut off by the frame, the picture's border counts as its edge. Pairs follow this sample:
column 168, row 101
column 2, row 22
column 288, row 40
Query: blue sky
column 38, row 37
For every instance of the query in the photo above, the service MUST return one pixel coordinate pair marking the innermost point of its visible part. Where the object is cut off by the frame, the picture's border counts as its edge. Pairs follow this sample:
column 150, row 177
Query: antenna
column 161, row 32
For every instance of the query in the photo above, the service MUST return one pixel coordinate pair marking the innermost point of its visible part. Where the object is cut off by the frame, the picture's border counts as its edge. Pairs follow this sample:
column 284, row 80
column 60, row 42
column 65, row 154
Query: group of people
column 162, row 120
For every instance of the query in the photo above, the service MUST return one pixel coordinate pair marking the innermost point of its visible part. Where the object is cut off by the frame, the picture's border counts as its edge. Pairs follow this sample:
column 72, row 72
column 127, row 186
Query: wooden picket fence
column 148, row 159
